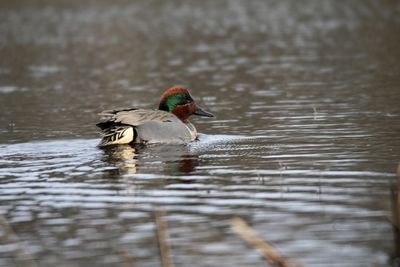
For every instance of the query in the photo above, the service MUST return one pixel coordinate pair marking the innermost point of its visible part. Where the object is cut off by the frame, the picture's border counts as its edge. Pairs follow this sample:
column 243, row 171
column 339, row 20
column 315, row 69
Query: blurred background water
column 304, row 145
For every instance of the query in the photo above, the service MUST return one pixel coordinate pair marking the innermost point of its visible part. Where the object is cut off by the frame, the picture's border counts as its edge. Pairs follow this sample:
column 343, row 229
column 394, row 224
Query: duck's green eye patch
column 175, row 100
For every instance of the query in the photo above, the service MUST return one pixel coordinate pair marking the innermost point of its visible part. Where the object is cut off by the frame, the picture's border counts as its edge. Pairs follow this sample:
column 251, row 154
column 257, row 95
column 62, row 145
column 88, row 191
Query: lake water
column 304, row 146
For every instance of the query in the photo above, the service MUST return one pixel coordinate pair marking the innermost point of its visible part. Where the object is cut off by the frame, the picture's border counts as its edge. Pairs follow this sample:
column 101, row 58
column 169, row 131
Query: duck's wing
column 133, row 117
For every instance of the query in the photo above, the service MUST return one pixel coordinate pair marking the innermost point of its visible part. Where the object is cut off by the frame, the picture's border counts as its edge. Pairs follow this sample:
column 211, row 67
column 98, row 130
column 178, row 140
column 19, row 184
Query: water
column 304, row 145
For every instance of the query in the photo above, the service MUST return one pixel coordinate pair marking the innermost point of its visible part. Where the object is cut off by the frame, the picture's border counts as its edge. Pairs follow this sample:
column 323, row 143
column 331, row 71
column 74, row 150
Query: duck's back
column 143, row 126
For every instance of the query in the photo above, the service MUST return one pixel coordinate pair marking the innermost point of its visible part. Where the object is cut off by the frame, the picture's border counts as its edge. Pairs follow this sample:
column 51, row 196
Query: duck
column 167, row 124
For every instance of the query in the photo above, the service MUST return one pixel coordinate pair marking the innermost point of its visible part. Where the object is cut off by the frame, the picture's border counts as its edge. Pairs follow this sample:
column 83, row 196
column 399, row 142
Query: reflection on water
column 124, row 157
column 178, row 159
column 303, row 147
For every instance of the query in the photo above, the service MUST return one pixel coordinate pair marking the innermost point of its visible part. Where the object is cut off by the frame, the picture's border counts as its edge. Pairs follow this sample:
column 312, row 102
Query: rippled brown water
column 304, row 146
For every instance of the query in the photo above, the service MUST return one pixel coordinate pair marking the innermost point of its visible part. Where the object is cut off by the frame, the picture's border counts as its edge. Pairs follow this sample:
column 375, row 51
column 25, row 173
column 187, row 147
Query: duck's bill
column 202, row 112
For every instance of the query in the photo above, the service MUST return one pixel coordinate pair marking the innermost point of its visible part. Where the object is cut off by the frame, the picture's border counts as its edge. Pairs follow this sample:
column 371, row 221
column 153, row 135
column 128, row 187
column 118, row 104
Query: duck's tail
column 118, row 135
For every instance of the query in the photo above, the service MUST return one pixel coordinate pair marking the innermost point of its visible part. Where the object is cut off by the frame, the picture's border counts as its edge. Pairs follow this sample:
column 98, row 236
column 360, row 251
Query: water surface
column 304, row 145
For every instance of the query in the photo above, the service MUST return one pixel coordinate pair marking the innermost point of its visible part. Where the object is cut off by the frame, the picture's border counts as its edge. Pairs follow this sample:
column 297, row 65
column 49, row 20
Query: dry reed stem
column 266, row 249
column 165, row 250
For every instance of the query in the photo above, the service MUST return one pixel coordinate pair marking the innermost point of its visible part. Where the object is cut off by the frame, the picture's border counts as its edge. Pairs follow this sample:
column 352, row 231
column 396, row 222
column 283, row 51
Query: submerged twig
column 165, row 250
column 21, row 253
column 266, row 249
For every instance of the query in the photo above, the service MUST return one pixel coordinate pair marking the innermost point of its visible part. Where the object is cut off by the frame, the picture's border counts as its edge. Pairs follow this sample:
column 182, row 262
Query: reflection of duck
column 123, row 157
column 186, row 165
column 176, row 159
column 168, row 124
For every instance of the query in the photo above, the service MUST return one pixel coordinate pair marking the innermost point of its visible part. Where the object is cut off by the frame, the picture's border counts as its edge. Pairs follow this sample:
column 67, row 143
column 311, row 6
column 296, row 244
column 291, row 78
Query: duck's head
column 179, row 101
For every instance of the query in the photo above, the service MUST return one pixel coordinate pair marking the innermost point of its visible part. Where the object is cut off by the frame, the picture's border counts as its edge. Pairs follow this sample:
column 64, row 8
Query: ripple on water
column 95, row 190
